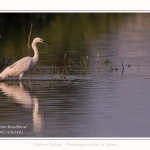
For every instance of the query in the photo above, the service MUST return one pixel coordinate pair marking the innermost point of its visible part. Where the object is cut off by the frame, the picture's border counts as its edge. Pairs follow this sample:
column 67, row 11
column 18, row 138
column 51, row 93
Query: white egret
column 21, row 66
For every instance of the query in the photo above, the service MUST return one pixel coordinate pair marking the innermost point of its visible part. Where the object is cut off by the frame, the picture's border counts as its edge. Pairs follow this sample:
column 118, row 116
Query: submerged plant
column 106, row 61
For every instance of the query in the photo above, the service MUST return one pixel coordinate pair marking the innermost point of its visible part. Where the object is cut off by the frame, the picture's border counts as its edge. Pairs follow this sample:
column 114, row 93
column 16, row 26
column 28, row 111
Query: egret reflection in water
column 21, row 94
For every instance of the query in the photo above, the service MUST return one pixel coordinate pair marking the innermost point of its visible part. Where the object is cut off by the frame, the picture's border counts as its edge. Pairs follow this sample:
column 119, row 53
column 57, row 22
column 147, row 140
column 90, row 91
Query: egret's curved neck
column 36, row 55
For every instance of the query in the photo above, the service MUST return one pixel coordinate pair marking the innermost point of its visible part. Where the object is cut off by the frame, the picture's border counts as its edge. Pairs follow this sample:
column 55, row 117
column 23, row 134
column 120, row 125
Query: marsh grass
column 71, row 66
column 29, row 39
column 84, row 63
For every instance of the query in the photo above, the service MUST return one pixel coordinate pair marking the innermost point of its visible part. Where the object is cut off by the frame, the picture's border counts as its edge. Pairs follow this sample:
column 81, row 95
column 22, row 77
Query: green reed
column 29, row 39
column 71, row 66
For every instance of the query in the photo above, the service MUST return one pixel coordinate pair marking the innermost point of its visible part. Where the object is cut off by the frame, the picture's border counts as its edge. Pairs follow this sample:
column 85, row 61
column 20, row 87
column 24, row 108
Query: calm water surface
column 108, row 101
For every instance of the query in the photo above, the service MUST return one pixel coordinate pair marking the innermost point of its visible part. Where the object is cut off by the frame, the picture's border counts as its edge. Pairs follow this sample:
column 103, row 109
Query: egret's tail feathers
column 5, row 73
column 2, row 76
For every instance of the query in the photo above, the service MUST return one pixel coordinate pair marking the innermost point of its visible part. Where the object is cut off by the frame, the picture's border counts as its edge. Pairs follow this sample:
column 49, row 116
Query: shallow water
column 108, row 101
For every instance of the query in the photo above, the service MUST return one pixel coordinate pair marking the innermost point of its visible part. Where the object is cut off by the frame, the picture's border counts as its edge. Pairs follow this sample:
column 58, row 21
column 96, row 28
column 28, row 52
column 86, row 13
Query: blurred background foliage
column 68, row 32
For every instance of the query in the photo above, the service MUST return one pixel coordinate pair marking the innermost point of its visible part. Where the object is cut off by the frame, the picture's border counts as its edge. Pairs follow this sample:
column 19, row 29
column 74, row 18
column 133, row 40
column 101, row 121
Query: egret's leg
column 20, row 78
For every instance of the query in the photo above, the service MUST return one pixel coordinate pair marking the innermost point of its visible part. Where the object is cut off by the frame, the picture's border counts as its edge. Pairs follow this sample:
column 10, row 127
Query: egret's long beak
column 47, row 42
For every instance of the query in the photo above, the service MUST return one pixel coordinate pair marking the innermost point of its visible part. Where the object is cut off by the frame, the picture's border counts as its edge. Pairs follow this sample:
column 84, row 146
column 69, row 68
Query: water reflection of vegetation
column 67, row 31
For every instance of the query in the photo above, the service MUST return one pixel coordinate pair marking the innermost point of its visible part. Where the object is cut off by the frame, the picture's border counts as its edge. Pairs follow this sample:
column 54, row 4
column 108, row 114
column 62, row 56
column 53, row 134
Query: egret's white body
column 21, row 66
